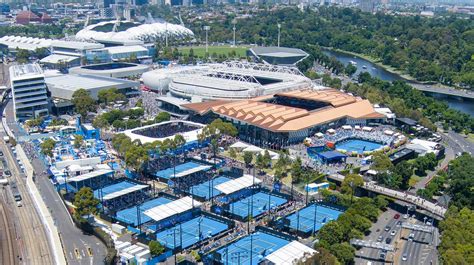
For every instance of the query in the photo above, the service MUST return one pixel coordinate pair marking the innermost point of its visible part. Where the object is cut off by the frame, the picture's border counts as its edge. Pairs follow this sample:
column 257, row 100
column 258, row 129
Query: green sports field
column 200, row 51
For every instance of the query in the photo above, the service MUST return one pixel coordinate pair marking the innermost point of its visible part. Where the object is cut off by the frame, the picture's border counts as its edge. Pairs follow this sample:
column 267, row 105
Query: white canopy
column 119, row 193
column 357, row 127
column 346, row 127
column 253, row 149
column 367, row 128
column 164, row 211
column 192, row 171
column 388, row 132
column 331, row 131
column 319, row 135
column 91, row 175
column 288, row 254
column 272, row 154
column 237, row 184
column 239, row 145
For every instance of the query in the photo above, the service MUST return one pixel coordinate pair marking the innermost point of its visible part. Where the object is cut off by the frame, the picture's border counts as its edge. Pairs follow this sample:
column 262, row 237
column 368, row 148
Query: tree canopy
column 85, row 202
column 83, row 102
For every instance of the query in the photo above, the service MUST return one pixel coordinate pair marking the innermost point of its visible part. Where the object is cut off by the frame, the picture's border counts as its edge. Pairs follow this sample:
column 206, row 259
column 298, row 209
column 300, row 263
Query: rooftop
column 77, row 45
column 277, row 51
column 281, row 118
column 25, row 70
column 74, row 82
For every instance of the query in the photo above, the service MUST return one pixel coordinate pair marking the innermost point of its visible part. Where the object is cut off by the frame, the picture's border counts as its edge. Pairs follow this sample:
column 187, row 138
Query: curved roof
column 144, row 32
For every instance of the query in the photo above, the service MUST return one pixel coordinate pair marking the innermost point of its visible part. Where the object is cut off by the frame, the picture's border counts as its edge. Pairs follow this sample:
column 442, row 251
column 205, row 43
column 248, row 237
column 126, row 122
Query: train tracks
column 7, row 237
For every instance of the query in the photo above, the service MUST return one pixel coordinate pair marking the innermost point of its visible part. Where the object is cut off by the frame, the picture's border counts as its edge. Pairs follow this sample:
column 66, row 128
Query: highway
column 32, row 238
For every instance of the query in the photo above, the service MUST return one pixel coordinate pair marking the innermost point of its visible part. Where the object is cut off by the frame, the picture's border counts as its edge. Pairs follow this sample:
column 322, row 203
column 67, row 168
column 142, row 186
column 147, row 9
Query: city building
column 64, row 86
column 118, row 53
column 285, row 118
column 277, row 55
column 30, row 98
column 116, row 69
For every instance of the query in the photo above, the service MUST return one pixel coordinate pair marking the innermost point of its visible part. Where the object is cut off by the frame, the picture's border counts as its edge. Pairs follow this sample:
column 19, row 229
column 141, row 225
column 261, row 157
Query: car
column 396, row 216
column 7, row 173
column 411, row 237
column 429, row 222
column 382, row 255
column 380, row 239
column 1, row 153
column 19, row 204
column 404, row 256
column 393, row 233
column 387, row 228
column 399, row 223
column 388, row 240
column 405, row 216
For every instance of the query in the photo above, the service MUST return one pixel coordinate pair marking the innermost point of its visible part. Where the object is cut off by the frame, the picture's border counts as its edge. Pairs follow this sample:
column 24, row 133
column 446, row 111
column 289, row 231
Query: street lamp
column 234, row 22
column 279, row 29
column 207, row 28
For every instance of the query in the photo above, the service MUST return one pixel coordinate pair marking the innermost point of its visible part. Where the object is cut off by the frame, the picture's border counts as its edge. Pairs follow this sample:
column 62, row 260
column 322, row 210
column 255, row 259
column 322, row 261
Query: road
column 73, row 239
column 33, row 241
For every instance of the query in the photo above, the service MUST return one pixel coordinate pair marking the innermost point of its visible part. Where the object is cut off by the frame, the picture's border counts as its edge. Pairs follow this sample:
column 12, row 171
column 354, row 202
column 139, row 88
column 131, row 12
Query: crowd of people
column 148, row 100
column 166, row 130
column 375, row 134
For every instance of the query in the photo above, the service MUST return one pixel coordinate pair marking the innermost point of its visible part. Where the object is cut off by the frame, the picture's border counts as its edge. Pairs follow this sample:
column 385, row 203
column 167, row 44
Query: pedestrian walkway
column 403, row 196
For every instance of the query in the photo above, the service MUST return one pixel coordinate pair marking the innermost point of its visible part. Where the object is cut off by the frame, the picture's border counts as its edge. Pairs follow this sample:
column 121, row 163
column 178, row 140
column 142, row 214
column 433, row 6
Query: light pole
column 207, row 28
column 234, row 22
column 279, row 29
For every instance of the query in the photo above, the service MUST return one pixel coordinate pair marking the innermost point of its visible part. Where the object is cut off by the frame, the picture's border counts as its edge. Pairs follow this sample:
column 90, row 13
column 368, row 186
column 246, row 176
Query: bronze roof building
column 285, row 118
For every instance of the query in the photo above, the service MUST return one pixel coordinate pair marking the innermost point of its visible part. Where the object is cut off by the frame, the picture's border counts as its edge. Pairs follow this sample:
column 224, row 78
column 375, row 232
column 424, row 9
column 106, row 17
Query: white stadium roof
column 290, row 253
column 235, row 80
column 144, row 32
column 120, row 193
column 164, row 211
column 90, row 175
column 192, row 171
column 237, row 184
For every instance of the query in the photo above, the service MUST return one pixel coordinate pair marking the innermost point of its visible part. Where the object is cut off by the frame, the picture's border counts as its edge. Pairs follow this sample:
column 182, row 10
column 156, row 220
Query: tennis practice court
column 303, row 220
column 130, row 216
column 262, row 202
column 188, row 233
column 202, row 190
column 241, row 252
column 182, row 170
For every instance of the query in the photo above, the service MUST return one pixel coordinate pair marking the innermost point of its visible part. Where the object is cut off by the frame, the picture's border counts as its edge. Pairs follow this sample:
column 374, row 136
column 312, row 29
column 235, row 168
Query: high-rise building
column 30, row 99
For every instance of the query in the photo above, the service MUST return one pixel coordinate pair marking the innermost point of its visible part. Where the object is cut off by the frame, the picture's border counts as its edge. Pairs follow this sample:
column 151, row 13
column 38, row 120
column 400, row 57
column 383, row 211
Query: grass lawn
column 413, row 180
column 470, row 137
column 200, row 51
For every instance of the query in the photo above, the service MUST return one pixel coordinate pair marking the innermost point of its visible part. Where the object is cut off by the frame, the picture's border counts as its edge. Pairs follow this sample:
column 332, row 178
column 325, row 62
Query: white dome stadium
column 127, row 30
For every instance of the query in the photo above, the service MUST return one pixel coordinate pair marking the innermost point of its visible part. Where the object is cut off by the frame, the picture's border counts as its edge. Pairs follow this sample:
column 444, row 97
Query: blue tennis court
column 129, row 215
column 114, row 188
column 263, row 244
column 169, row 172
column 202, row 190
column 307, row 215
column 261, row 203
column 190, row 232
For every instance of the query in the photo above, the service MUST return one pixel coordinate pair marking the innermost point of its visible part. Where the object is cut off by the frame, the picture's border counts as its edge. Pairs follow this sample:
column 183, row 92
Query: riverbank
column 377, row 62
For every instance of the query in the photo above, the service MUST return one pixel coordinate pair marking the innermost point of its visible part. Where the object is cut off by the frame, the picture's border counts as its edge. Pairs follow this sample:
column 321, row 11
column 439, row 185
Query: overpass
column 421, row 203
column 444, row 90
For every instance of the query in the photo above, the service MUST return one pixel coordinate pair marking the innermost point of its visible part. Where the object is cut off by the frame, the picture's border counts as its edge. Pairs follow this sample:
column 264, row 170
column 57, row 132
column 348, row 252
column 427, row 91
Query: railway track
column 8, row 254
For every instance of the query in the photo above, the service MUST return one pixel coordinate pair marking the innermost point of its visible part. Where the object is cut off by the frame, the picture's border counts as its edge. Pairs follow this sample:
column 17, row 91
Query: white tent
column 272, row 154
column 239, row 145
column 253, row 149
column 367, row 128
column 331, row 131
column 388, row 132
column 357, row 127
column 346, row 127
column 319, row 135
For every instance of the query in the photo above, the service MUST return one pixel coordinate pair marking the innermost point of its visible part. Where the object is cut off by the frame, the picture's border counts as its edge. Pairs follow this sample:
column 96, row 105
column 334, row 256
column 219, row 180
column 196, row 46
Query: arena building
column 286, row 118
column 115, row 69
column 277, row 55
column 228, row 81
column 128, row 30
column 166, row 130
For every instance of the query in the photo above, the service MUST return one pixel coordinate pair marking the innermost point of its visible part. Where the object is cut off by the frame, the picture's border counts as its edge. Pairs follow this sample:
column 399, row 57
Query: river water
column 363, row 65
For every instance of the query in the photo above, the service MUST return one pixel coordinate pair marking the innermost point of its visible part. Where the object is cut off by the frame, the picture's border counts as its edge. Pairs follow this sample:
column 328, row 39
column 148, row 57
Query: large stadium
column 129, row 30
column 229, row 81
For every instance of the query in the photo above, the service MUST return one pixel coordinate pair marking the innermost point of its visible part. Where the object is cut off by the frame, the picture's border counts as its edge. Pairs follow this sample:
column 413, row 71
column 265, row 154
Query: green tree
column 156, row 248
column 461, row 182
column 85, row 202
column 324, row 257
column 78, row 141
column 162, row 116
column 330, row 234
column 232, row 153
column 350, row 69
column 267, row 159
column 83, row 102
column 100, row 122
column 404, row 171
column 296, row 170
column 457, row 235
column 351, row 182
column 248, row 157
column 47, row 147
column 381, row 162
column 344, row 252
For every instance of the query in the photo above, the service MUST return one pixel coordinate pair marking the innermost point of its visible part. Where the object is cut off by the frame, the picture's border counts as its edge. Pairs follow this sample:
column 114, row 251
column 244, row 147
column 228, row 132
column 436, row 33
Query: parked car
column 393, row 233
column 388, row 240
column 380, row 239
column 396, row 216
column 387, row 228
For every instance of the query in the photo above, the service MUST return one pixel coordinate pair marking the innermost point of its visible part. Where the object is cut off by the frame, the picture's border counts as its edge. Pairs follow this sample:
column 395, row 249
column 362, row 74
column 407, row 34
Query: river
column 465, row 106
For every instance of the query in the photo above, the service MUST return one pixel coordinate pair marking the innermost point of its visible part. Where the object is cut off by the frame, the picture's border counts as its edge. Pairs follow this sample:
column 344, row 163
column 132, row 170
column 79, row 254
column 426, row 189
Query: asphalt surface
column 75, row 242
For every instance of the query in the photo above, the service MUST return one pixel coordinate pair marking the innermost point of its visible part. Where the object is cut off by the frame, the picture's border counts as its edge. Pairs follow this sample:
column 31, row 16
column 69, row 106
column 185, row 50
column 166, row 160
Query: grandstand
column 121, row 194
column 165, row 130
column 230, row 81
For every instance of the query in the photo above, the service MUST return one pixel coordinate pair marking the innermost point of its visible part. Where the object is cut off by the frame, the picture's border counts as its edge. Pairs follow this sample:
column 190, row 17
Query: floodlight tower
column 234, row 22
column 279, row 28
column 207, row 28
column 166, row 34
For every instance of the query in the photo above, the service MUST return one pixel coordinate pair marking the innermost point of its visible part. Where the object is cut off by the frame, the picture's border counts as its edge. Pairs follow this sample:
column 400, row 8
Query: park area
column 215, row 51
